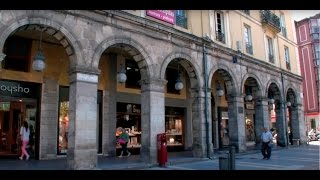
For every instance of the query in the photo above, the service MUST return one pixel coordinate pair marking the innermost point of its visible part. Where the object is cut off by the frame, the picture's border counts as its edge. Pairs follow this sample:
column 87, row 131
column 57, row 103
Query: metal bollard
column 232, row 159
column 223, row 163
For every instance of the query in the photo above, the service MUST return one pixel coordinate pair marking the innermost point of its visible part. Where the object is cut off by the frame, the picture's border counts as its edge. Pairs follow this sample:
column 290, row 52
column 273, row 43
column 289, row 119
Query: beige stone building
column 207, row 78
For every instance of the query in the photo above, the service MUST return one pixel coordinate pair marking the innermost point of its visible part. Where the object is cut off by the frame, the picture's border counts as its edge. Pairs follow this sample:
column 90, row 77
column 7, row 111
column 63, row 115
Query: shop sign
column 163, row 15
column 18, row 89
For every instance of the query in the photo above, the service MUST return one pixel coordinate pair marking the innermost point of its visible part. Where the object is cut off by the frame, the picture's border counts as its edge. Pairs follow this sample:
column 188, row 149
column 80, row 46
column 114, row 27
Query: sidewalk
column 114, row 163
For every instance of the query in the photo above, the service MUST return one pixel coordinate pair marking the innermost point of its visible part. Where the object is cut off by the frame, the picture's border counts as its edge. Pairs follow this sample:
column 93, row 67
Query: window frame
column 220, row 27
column 270, row 44
column 248, row 39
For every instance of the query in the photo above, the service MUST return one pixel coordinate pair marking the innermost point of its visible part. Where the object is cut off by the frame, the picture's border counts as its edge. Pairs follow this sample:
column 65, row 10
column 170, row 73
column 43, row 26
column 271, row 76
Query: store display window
column 174, row 128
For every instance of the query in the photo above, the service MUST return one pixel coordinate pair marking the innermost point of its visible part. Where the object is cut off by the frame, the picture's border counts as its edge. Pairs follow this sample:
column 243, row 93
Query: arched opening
column 40, row 89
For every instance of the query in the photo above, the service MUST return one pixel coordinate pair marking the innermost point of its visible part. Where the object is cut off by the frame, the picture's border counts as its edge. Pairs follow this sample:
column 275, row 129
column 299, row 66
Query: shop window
column 171, row 77
column 133, row 74
column 63, row 120
column 174, row 122
column 129, row 118
column 17, row 52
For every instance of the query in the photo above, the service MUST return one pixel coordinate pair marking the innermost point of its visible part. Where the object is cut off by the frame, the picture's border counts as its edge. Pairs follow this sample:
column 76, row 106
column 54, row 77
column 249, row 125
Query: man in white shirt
column 266, row 139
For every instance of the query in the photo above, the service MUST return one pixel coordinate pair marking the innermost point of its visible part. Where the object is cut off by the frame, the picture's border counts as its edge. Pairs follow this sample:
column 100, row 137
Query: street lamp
column 39, row 60
column 121, row 76
column 2, row 56
column 220, row 92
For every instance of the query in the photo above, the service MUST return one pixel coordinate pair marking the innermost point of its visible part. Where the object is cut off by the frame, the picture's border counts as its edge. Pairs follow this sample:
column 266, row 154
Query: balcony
column 284, row 32
column 288, row 66
column 271, row 58
column 270, row 20
column 249, row 48
column 316, row 62
column 182, row 21
column 220, row 36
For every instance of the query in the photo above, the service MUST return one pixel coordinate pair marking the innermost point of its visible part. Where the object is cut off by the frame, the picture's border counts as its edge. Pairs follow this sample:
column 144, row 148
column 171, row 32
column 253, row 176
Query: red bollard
column 162, row 149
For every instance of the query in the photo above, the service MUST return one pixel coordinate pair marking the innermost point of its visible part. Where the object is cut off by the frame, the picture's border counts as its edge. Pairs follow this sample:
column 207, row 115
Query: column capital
column 153, row 84
column 83, row 74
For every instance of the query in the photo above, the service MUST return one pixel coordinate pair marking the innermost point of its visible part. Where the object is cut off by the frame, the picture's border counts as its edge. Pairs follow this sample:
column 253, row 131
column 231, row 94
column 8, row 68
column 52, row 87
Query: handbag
column 121, row 141
column 270, row 145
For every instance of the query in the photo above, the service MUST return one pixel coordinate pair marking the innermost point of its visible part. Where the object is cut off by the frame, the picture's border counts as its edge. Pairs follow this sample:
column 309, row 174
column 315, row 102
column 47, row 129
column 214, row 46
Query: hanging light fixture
column 179, row 85
column 121, row 76
column 39, row 60
column 288, row 103
column 248, row 96
column 220, row 91
column 2, row 56
column 271, row 99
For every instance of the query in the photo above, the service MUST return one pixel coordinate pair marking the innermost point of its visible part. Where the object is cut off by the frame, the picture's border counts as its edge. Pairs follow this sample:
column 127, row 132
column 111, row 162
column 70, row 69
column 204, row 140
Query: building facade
column 207, row 78
column 309, row 53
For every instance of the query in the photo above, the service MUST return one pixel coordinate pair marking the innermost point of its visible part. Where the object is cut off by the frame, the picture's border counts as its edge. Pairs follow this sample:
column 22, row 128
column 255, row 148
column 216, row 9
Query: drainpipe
column 285, row 111
column 205, row 69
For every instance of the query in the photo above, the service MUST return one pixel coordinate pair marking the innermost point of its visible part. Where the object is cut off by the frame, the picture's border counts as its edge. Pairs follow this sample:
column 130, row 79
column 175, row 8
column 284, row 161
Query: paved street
column 294, row 158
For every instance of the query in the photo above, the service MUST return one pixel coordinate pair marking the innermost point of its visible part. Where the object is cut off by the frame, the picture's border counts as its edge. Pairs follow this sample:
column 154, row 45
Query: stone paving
column 293, row 158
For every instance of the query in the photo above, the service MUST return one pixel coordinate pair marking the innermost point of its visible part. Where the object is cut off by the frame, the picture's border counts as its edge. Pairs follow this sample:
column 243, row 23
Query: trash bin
column 223, row 163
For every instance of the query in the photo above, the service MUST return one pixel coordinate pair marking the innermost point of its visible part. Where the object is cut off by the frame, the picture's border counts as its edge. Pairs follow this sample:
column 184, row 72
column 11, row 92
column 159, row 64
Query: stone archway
column 254, row 110
column 195, row 123
column 222, row 79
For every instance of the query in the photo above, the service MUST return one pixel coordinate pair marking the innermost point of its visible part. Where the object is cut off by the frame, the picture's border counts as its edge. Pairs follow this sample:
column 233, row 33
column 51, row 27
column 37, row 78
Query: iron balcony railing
column 316, row 61
column 249, row 48
column 220, row 36
column 270, row 19
column 182, row 21
column 284, row 31
column 271, row 58
column 288, row 66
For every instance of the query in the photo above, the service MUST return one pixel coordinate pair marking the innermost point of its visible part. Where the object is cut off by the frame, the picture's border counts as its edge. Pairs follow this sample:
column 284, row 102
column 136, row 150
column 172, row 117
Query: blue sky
column 301, row 14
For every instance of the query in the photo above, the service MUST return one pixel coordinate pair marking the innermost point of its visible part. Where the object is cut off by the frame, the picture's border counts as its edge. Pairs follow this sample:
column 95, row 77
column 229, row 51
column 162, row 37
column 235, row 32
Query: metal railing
column 249, row 48
column 220, row 36
column 284, row 31
column 182, row 21
column 270, row 19
column 271, row 58
column 288, row 66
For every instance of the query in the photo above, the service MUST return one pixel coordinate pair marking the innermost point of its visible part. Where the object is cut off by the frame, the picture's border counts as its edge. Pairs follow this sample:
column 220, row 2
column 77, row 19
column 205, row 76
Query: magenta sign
column 163, row 15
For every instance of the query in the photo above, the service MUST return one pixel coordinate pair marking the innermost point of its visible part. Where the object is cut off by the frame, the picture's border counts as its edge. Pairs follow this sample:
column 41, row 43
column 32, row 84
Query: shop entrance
column 18, row 103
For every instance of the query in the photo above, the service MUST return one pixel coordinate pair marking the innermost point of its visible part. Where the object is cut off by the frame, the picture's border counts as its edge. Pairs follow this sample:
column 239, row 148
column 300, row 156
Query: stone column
column 237, row 131
column 297, row 123
column 110, row 110
column 49, row 119
column 281, row 124
column 262, row 118
column 152, row 117
column 199, row 124
column 82, row 144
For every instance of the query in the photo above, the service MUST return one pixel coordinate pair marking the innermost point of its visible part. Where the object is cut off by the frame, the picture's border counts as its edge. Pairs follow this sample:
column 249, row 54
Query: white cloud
column 298, row 15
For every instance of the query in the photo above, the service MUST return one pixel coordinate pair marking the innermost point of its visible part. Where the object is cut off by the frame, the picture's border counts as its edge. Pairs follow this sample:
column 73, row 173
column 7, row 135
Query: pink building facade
column 309, row 54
